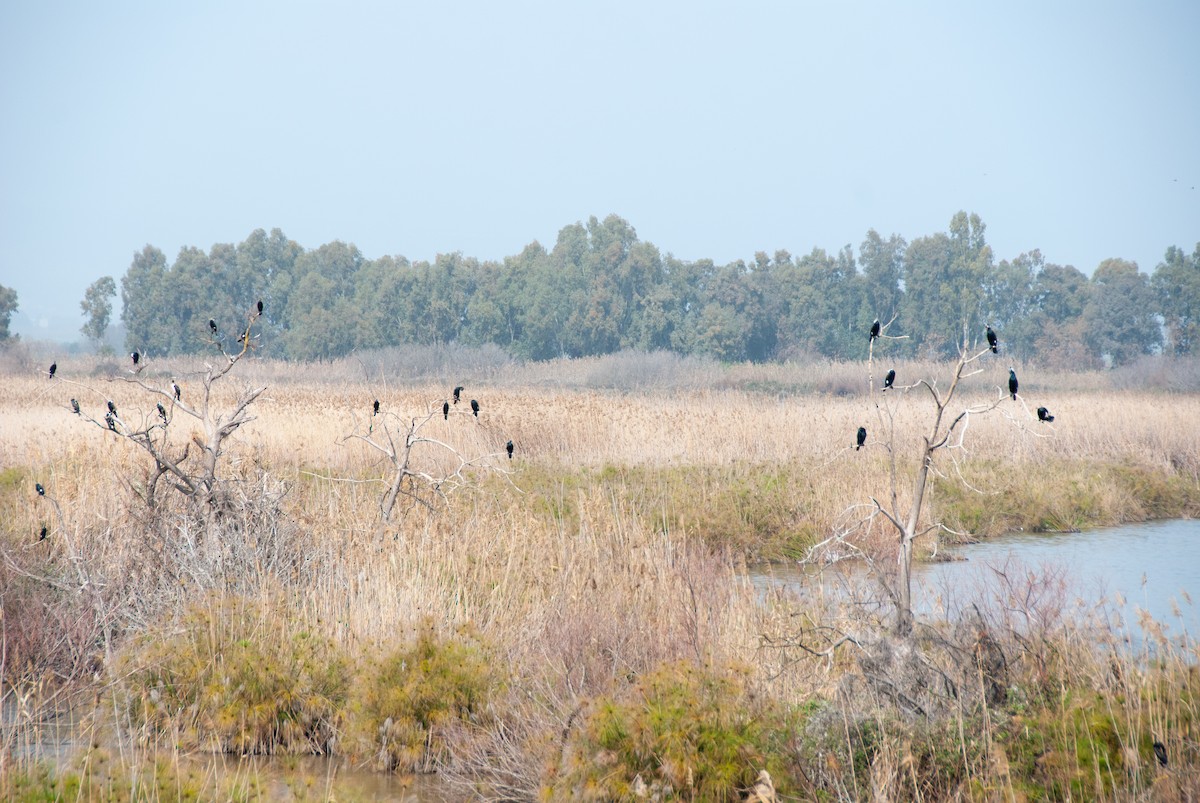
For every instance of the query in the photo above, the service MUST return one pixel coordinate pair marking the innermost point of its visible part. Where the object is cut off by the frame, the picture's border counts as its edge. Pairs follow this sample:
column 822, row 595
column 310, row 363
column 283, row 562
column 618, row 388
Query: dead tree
column 417, row 466
column 190, row 463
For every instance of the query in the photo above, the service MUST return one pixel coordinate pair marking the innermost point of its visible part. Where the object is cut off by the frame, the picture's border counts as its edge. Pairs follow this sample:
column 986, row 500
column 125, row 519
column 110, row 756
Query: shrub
column 407, row 701
column 683, row 731
column 235, row 678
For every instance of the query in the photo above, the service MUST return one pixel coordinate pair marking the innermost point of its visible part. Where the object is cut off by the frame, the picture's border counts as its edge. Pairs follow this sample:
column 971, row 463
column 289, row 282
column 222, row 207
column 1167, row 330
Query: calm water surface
column 1154, row 567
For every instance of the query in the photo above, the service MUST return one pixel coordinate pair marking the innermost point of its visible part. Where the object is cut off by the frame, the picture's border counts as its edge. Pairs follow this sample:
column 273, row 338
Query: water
column 1152, row 567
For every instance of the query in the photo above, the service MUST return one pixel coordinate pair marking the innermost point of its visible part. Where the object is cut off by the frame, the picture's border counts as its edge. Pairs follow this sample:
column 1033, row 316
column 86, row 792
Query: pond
column 1152, row 567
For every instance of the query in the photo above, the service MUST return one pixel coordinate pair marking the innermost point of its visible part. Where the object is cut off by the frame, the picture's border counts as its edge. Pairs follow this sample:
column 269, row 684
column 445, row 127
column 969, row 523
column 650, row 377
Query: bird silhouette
column 508, row 447
column 112, row 408
column 375, row 408
column 475, row 408
column 457, row 392
column 1012, row 383
column 53, row 369
column 136, row 358
column 874, row 329
column 162, row 411
column 212, row 325
column 1044, row 415
column 446, row 410
column 991, row 338
column 75, row 406
column 889, row 379
column 862, row 438
column 112, row 424
column 1160, row 753
column 37, row 486
column 42, row 534
column 259, row 305
column 175, row 389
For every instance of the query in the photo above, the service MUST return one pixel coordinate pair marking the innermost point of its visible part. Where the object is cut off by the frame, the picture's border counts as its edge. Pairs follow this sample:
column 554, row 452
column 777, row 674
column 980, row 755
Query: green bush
column 236, row 679
column 406, row 702
column 681, row 732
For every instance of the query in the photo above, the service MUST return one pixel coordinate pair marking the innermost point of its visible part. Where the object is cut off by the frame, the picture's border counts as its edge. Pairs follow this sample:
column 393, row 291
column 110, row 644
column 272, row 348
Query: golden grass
column 577, row 561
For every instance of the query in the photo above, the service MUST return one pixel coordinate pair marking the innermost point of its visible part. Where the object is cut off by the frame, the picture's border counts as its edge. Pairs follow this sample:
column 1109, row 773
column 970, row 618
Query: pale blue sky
column 715, row 129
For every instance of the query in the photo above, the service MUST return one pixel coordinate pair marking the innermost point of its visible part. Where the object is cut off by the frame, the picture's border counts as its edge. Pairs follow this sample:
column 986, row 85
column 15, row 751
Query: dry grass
column 578, row 562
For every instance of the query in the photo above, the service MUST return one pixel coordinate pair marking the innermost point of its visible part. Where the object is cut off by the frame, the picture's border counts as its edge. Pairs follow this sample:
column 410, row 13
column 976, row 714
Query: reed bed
column 600, row 570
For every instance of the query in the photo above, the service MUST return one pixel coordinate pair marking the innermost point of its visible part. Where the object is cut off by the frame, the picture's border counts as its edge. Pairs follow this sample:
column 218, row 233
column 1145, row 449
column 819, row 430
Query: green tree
column 1121, row 315
column 97, row 306
column 144, row 302
column 8, row 305
column 882, row 263
column 1176, row 282
column 943, row 286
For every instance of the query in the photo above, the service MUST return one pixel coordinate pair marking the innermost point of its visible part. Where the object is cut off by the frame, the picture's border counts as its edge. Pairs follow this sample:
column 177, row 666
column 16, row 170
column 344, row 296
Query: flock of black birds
column 111, row 417
column 889, row 380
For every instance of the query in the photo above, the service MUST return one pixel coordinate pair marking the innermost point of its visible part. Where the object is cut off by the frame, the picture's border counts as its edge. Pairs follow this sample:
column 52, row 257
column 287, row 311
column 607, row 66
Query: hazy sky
column 716, row 130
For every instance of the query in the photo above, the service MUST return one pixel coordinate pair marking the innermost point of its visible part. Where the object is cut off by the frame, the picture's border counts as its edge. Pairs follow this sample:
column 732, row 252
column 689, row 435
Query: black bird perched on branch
column 991, row 337
column 1160, row 753
column 475, row 408
column 889, row 379
column 162, row 411
column 75, row 406
column 42, row 535
column 136, row 358
column 1044, row 415
column 112, row 408
column 53, row 369
column 112, row 424
column 212, row 324
column 457, row 392
column 874, row 329
column 508, row 447
column 375, row 408
column 175, row 389
column 37, row 486
column 259, row 306
column 862, row 438
column 1012, row 383
column 446, row 410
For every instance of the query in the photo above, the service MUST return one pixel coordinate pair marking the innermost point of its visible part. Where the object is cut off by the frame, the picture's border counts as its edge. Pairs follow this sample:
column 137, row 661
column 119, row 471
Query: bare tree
column 418, row 466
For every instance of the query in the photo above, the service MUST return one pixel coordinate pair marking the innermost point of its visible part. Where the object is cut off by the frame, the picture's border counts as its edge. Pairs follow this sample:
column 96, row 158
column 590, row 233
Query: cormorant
column 75, row 406
column 375, row 408
column 1160, row 753
column 862, row 438
column 108, row 419
column 889, row 379
column 162, row 411
column 112, row 408
column 875, row 329
column 446, row 410
column 991, row 337
column 508, row 447
column 1044, row 415
column 475, row 408
column 212, row 324
column 42, row 534
column 175, row 389
column 259, row 306
column 457, row 391
column 53, row 369
column 1012, row 383
column 37, row 486
column 136, row 357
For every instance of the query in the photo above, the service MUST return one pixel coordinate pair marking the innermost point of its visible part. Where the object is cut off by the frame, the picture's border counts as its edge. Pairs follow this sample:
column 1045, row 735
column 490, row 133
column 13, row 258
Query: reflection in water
column 1153, row 567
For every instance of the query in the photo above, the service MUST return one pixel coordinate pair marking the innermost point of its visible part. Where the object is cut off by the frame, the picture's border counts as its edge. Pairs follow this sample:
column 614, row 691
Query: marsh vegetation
column 577, row 622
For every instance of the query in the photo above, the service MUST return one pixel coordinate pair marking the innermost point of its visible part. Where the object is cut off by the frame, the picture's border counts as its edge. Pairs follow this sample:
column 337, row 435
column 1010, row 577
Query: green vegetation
column 407, row 699
column 683, row 732
column 600, row 290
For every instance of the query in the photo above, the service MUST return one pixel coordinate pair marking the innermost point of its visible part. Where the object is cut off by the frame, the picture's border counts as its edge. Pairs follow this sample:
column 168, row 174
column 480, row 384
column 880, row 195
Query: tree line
column 600, row 289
